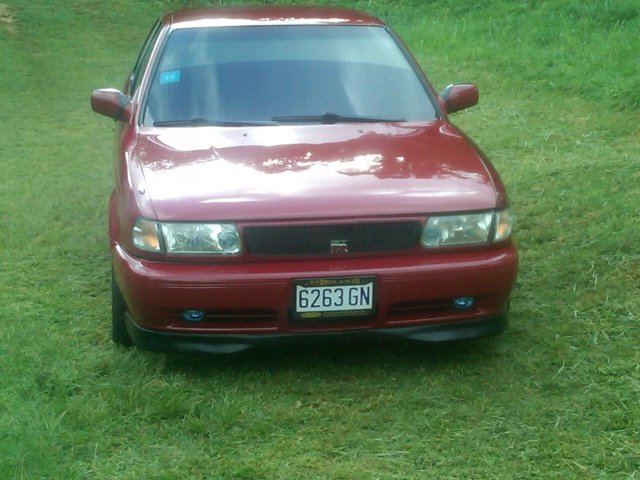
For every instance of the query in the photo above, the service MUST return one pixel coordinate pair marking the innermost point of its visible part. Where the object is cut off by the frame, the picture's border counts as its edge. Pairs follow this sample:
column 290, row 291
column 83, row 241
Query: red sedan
column 289, row 173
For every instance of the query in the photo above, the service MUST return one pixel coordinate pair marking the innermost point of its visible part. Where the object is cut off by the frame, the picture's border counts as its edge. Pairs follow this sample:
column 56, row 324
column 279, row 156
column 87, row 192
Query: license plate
column 325, row 298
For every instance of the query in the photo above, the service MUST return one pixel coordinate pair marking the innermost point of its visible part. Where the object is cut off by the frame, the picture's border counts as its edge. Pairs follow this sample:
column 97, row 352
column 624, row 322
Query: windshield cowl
column 204, row 122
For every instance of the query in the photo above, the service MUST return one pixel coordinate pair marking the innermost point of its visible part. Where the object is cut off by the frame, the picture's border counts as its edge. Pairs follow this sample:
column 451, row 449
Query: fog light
column 463, row 303
column 193, row 315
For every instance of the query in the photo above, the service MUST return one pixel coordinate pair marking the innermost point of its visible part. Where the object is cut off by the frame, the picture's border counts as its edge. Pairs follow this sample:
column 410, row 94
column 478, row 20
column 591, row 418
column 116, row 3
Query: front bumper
column 248, row 303
column 159, row 341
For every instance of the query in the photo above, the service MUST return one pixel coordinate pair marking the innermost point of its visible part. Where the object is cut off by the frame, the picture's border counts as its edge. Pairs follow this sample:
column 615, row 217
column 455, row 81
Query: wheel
column 119, row 333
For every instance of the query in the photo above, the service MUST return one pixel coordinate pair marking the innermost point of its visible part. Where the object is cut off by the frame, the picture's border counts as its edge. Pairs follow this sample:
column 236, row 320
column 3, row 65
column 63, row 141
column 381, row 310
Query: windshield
column 263, row 75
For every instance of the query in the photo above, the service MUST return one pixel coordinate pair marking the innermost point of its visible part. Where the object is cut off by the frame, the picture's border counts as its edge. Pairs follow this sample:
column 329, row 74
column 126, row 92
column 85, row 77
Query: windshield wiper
column 205, row 122
column 331, row 118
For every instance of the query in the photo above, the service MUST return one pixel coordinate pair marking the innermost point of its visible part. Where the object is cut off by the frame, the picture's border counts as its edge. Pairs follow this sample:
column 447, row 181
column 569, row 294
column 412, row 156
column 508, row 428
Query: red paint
column 290, row 174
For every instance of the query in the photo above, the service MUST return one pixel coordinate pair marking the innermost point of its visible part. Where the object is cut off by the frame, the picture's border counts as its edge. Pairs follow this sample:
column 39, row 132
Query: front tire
column 119, row 333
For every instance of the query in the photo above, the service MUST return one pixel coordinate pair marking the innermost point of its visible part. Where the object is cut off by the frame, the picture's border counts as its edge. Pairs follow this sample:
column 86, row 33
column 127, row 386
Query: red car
column 288, row 173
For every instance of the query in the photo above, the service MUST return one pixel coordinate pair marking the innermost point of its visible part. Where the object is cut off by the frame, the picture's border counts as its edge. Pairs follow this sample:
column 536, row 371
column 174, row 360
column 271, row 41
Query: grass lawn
column 555, row 397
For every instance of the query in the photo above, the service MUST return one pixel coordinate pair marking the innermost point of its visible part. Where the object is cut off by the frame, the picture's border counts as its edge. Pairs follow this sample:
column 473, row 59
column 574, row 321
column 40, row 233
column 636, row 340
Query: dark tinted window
column 257, row 73
column 143, row 58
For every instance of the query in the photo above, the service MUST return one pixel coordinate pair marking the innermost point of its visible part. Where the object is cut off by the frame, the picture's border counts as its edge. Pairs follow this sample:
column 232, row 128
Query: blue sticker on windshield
column 172, row 76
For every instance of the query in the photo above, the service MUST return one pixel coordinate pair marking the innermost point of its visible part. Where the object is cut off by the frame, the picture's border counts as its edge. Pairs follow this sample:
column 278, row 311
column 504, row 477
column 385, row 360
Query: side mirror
column 111, row 103
column 459, row 96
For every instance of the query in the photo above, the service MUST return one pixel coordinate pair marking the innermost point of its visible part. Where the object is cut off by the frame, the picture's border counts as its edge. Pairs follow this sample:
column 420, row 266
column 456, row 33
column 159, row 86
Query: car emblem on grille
column 340, row 246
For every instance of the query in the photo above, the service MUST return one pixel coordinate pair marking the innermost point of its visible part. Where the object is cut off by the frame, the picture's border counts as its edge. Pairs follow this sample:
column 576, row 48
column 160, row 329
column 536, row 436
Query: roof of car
column 269, row 15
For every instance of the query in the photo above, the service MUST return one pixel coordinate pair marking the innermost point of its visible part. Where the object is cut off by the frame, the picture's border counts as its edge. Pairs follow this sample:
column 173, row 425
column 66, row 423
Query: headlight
column 174, row 237
column 469, row 228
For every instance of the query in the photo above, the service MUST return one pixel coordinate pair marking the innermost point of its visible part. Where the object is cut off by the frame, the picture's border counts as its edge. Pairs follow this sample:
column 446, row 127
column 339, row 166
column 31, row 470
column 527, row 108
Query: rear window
column 258, row 73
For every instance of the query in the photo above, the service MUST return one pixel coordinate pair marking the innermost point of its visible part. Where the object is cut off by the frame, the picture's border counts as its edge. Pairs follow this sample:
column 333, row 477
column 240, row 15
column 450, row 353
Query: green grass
column 555, row 397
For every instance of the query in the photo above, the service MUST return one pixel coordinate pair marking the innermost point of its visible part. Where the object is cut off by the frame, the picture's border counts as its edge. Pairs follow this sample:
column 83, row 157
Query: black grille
column 317, row 239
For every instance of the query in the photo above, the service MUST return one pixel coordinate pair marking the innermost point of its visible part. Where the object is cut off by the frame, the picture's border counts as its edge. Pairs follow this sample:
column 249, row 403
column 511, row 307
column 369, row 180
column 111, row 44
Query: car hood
column 316, row 171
